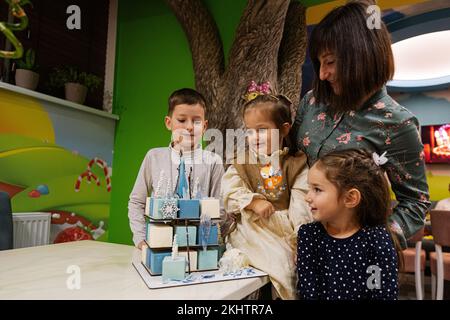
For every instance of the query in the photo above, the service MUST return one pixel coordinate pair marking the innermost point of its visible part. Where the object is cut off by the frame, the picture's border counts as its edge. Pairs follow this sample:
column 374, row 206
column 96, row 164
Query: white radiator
column 31, row 229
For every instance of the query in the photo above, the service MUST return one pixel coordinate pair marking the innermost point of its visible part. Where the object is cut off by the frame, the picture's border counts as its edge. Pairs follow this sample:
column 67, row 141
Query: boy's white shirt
column 208, row 168
column 265, row 241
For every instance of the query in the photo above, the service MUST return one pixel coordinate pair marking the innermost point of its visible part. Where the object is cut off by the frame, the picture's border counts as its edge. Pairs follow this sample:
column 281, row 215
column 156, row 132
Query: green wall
column 153, row 59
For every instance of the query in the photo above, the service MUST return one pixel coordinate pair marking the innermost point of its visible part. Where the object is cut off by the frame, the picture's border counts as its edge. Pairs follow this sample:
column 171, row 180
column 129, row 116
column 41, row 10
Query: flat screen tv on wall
column 436, row 141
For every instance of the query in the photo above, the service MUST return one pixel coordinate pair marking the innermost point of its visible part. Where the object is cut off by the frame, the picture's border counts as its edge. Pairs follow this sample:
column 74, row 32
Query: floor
column 408, row 288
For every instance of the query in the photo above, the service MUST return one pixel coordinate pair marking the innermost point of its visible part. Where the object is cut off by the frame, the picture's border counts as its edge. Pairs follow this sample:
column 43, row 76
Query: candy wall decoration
column 7, row 28
column 88, row 174
column 103, row 165
column 45, row 157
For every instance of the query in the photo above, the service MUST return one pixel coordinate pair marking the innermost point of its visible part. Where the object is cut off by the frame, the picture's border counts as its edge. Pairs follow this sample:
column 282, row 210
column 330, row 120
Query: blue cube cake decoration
column 211, row 239
column 155, row 260
column 183, row 233
column 189, row 208
column 174, row 268
column 207, row 259
column 157, row 208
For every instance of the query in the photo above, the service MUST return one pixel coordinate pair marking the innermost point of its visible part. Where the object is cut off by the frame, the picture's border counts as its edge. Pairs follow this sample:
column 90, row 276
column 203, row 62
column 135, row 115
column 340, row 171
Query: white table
column 106, row 273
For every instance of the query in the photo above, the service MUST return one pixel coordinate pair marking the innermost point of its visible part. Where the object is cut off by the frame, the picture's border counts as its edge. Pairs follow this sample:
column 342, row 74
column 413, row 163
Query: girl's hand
column 261, row 207
column 232, row 217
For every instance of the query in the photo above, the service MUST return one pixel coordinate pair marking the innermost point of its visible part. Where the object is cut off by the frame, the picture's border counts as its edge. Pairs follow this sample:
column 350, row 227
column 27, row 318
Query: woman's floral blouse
column 380, row 125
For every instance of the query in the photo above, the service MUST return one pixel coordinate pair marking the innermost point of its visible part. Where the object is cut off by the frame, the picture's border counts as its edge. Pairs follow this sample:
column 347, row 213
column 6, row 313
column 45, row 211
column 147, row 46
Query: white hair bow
column 379, row 160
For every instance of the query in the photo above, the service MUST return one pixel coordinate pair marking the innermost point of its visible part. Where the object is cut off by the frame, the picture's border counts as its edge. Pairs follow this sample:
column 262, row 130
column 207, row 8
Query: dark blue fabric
column 340, row 269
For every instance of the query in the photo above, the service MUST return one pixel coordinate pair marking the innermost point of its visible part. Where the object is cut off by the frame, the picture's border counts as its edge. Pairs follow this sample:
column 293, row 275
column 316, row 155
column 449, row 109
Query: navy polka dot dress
column 362, row 266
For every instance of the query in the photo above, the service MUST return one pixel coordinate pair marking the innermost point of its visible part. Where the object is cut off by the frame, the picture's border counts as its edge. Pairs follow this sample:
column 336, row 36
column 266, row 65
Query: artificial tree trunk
column 269, row 45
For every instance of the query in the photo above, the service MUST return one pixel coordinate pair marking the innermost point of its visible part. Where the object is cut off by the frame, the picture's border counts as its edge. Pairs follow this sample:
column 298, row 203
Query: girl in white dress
column 265, row 194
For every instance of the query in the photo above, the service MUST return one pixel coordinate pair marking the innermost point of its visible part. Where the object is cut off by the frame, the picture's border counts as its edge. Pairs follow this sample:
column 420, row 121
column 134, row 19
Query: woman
column 350, row 108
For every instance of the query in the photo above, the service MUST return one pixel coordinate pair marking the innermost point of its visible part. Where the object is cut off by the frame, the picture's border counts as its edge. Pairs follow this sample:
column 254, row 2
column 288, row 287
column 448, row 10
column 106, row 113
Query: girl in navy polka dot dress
column 348, row 253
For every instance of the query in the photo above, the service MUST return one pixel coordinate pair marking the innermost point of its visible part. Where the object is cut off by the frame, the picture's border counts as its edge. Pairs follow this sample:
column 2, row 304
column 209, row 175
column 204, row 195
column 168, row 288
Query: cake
column 192, row 234
column 182, row 234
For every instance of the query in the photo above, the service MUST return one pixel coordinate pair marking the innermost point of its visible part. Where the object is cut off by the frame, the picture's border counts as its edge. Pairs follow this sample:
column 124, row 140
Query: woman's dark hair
column 364, row 59
column 355, row 168
column 278, row 107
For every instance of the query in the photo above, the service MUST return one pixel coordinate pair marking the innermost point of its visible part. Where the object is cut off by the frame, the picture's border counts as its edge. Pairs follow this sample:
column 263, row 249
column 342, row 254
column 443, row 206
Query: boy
column 186, row 120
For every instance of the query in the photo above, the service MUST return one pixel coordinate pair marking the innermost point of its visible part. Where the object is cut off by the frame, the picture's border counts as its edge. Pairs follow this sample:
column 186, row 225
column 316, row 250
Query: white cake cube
column 192, row 256
column 144, row 254
column 159, row 236
column 147, row 207
column 210, row 207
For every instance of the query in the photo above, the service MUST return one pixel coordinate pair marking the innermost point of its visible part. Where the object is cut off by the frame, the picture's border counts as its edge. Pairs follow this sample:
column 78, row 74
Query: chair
column 440, row 261
column 414, row 262
column 6, row 222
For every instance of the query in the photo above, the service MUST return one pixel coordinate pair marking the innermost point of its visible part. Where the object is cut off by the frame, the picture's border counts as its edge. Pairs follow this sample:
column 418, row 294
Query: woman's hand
column 261, row 207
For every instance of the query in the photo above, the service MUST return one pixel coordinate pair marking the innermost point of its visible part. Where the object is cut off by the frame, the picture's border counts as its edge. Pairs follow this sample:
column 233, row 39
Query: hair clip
column 379, row 160
column 255, row 90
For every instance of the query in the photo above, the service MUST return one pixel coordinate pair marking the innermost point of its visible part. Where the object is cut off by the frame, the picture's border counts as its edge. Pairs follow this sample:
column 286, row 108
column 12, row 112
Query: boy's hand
column 141, row 244
column 261, row 207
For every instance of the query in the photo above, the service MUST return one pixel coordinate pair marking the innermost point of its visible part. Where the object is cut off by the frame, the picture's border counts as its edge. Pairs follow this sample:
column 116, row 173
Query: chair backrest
column 440, row 227
column 6, row 222
column 418, row 236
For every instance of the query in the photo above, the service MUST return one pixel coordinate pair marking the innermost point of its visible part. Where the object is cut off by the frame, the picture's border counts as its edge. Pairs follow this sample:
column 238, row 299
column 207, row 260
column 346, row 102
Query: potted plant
column 26, row 76
column 76, row 84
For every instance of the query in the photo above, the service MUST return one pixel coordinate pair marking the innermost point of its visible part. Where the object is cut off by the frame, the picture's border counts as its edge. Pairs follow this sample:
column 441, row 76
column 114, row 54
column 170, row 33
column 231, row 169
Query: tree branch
column 205, row 44
column 292, row 53
column 253, row 55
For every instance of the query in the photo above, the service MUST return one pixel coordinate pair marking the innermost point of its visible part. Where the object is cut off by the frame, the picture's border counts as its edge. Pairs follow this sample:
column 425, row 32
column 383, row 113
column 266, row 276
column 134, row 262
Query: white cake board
column 155, row 282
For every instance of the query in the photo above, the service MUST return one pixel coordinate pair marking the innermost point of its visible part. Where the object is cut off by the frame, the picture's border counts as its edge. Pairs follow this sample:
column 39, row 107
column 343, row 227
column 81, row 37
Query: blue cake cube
column 207, row 259
column 155, row 260
column 155, row 208
column 156, row 205
column 189, row 208
column 174, row 269
column 181, row 233
column 213, row 237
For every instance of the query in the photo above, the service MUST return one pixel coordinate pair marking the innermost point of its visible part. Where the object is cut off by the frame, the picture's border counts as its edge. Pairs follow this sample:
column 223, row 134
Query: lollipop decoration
column 169, row 191
column 205, row 229
column 174, row 247
column 158, row 193
column 182, row 185
column 7, row 28
column 197, row 190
